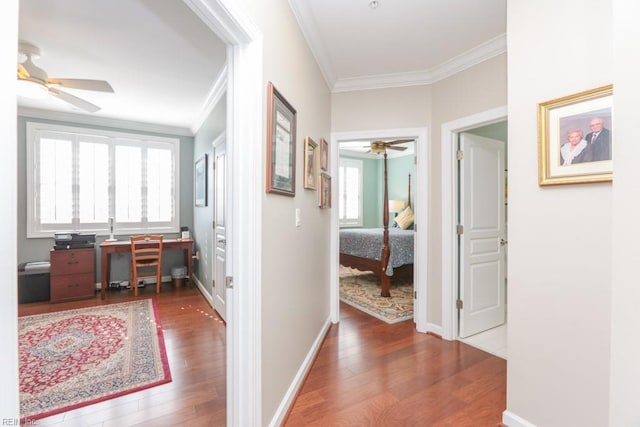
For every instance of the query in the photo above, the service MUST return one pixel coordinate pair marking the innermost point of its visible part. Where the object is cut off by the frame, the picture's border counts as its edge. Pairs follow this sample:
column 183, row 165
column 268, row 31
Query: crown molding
column 483, row 52
column 102, row 121
column 214, row 96
column 480, row 53
column 307, row 25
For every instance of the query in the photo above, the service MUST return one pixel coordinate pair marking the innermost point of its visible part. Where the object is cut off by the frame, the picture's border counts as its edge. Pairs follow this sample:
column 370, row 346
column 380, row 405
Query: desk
column 124, row 246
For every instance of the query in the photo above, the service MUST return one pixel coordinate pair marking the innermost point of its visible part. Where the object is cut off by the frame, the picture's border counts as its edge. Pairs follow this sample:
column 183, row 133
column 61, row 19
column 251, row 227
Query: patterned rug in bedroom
column 75, row 358
column 361, row 290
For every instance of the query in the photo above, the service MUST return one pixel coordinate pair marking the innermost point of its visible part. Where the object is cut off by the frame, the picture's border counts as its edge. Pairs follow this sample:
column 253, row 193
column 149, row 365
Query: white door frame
column 420, row 186
column 449, row 180
column 244, row 155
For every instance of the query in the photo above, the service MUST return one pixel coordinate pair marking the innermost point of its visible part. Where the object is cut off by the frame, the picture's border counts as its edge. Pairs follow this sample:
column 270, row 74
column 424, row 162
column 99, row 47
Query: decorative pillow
column 405, row 218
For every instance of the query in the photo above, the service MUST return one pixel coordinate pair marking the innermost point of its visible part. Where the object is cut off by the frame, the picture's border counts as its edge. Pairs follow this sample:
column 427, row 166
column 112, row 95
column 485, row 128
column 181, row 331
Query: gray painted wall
column 202, row 231
column 37, row 249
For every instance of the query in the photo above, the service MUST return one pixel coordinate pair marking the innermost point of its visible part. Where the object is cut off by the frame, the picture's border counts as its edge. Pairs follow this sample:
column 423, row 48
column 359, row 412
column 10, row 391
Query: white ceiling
column 161, row 60
column 401, row 42
column 165, row 65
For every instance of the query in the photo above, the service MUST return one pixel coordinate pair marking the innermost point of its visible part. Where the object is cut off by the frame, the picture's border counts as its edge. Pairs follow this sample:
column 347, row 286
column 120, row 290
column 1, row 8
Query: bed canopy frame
column 379, row 266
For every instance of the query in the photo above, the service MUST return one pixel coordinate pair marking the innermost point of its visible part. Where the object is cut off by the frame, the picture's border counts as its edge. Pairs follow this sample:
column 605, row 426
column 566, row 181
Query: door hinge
column 459, row 229
column 415, row 294
column 415, row 227
column 459, row 304
column 459, row 154
column 228, row 281
column 415, row 160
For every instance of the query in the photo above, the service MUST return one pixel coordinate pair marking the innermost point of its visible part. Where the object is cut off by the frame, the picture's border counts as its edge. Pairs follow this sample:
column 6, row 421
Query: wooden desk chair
column 146, row 259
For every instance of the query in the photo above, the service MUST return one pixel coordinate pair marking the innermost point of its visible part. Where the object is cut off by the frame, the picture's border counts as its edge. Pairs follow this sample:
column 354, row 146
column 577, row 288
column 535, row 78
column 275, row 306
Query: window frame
column 36, row 130
column 358, row 164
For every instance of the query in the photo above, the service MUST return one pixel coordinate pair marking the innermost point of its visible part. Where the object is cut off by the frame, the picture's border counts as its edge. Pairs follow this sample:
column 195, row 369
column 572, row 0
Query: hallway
column 371, row 373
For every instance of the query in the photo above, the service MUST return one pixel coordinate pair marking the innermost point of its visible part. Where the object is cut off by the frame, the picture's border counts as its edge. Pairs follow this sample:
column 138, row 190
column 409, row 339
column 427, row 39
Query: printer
column 74, row 240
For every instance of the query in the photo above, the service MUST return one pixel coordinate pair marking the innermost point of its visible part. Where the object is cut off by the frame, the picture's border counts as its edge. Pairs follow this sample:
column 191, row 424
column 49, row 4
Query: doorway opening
column 419, row 186
column 482, row 237
column 449, row 208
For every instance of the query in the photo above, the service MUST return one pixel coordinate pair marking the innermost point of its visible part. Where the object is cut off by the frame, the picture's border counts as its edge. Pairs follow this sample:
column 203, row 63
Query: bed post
column 385, row 281
column 409, row 193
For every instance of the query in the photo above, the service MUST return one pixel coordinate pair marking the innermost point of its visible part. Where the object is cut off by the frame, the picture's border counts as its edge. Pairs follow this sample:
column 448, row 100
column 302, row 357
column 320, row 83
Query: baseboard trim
column 147, row 281
column 434, row 329
column 296, row 384
column 512, row 420
column 203, row 290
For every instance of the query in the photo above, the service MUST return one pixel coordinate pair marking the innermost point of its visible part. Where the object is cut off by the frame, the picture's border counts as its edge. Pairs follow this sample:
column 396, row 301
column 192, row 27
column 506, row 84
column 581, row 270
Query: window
column 350, row 192
column 79, row 178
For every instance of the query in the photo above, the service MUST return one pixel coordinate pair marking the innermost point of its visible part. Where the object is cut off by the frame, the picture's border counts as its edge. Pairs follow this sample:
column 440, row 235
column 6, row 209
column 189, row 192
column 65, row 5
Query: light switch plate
column 297, row 217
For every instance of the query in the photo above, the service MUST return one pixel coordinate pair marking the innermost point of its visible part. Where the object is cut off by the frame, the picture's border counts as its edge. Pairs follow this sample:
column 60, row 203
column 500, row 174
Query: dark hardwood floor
column 367, row 373
column 195, row 342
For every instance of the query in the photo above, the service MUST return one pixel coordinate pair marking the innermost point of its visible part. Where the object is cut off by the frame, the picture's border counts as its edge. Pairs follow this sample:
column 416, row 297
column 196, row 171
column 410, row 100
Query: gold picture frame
column 575, row 139
column 325, row 191
column 324, row 154
column 281, row 147
column 310, row 164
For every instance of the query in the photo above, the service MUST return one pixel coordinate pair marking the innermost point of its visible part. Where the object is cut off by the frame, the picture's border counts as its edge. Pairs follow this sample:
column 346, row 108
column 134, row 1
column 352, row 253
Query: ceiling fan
column 380, row 147
column 35, row 83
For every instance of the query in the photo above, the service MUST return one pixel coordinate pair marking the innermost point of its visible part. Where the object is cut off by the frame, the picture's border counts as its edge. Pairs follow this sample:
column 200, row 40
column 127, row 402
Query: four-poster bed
column 384, row 252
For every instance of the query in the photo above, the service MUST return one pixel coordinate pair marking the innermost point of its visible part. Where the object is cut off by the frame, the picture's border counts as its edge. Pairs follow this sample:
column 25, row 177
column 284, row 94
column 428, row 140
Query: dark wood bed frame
column 379, row 267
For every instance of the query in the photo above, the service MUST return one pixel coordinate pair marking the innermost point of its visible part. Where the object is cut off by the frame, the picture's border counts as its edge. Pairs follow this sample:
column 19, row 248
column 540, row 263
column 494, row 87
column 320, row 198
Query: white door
column 483, row 239
column 219, row 227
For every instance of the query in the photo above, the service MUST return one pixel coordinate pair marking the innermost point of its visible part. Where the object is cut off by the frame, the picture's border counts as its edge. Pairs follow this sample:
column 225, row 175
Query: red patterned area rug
column 361, row 289
column 75, row 358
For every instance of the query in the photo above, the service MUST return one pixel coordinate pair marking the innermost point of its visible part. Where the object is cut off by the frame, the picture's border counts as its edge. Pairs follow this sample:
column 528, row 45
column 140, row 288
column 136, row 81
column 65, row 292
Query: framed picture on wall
column 310, row 164
column 575, row 139
column 325, row 191
column 324, row 154
column 200, row 184
column 281, row 147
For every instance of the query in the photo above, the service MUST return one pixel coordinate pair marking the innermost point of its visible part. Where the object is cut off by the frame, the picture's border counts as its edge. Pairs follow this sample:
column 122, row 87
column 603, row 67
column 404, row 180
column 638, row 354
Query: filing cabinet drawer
column 72, row 286
column 72, row 261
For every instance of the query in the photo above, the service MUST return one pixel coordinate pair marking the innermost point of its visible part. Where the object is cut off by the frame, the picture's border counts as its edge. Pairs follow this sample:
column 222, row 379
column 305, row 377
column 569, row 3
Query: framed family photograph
column 281, row 147
column 325, row 191
column 200, row 184
column 575, row 143
column 324, row 154
column 310, row 164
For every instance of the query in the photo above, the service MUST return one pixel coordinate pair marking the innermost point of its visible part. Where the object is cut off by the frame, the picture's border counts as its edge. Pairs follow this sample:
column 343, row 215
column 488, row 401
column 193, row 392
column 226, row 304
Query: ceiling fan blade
column 74, row 100
column 33, row 70
column 22, row 72
column 97, row 85
column 398, row 141
column 397, row 148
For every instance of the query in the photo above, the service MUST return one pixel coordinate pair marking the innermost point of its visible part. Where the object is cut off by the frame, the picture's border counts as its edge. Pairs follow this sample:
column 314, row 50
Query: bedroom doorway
column 482, row 238
column 419, row 186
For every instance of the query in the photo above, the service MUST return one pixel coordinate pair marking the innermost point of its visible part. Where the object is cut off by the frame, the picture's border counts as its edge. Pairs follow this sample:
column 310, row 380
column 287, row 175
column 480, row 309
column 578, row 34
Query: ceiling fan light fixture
column 373, row 4
column 32, row 90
